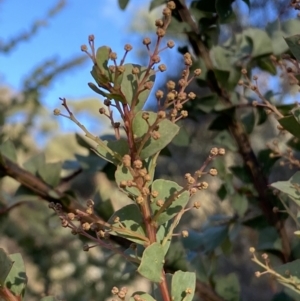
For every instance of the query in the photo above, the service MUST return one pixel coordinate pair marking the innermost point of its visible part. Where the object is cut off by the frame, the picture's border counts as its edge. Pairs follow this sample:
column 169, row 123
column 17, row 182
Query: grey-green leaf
column 8, row 150
column 152, row 262
column 166, row 189
column 183, row 286
column 131, row 218
column 5, row 264
column 16, row 280
column 142, row 295
column 129, row 85
column 166, row 129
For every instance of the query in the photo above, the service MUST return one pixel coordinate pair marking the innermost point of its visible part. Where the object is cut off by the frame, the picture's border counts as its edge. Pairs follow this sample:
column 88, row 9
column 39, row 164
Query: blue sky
column 61, row 38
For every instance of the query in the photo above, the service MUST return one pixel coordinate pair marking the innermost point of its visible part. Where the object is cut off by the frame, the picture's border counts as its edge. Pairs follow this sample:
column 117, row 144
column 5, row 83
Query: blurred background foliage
column 229, row 220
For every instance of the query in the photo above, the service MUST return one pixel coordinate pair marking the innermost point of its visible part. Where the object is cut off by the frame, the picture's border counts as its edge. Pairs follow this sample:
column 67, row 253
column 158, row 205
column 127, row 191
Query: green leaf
column 35, row 163
column 176, row 257
column 118, row 148
column 293, row 43
column 156, row 3
column 225, row 11
column 16, row 280
column 97, row 90
column 91, row 162
column 182, row 138
column 261, row 115
column 8, row 150
column 296, row 112
column 228, row 287
column 290, row 187
column 249, row 121
column 142, row 295
column 122, row 174
column 123, row 3
column 182, row 281
column 207, row 240
column 241, row 173
column 225, row 140
column 262, row 44
column 129, row 85
column 6, row 264
column 166, row 129
column 266, row 64
column 205, row 5
column 166, row 189
column 50, row 173
column 207, row 103
column 102, row 57
column 290, row 124
column 161, row 234
column 239, row 203
column 290, row 271
column 266, row 160
column 152, row 262
column 131, row 218
column 269, row 240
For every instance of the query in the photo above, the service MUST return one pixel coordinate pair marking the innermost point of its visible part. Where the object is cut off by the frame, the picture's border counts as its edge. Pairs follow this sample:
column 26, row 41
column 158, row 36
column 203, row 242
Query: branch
column 236, row 129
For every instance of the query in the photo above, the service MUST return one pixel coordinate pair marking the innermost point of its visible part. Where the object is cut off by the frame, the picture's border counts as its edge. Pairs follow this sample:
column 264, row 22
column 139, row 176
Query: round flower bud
column 146, row 41
column 221, row 151
column 102, row 111
column 139, row 199
column 154, row 193
column 170, row 44
column 171, row 5
column 113, row 56
column 56, row 112
column 127, row 47
column 159, row 94
column 86, row 226
column 197, row 205
column 184, row 233
column 85, row 248
column 159, row 23
column 135, row 70
column 155, row 135
column 167, row 12
column 214, row 151
column 159, row 203
column 107, row 102
column 156, row 59
column 84, row 48
column 145, row 115
column 171, row 85
column 148, row 85
column 161, row 114
column 184, row 113
column 138, row 164
column 191, row 95
column 121, row 69
column 162, row 67
column 213, row 172
column 160, row 32
column 171, row 96
column 197, row 72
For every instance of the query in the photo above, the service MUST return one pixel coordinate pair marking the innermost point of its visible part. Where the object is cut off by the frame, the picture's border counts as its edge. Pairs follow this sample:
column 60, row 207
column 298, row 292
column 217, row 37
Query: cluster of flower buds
column 120, row 293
